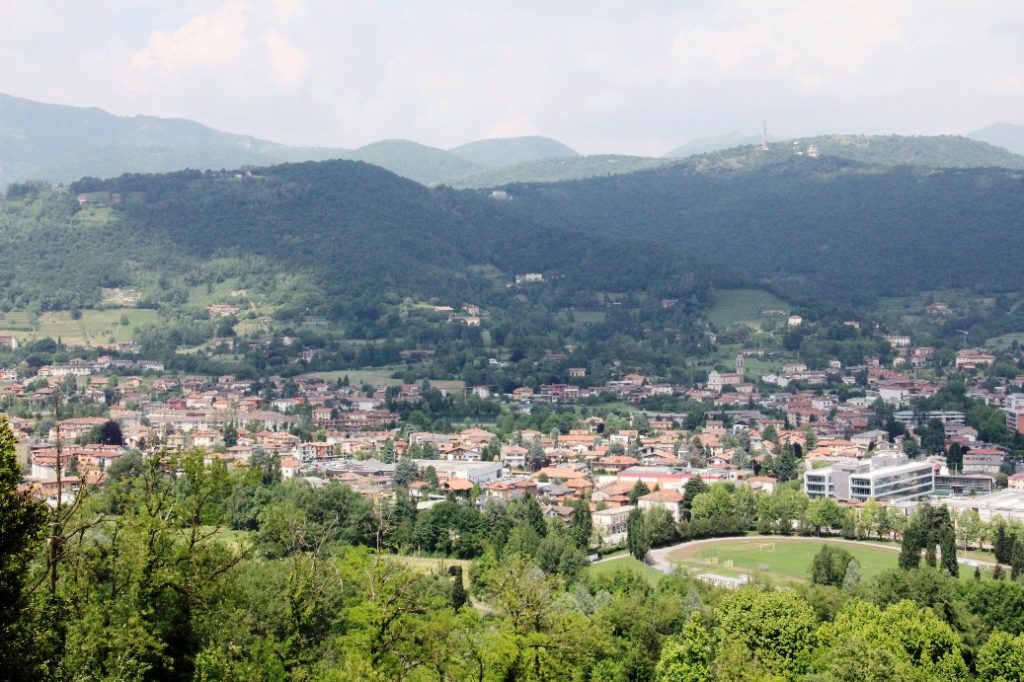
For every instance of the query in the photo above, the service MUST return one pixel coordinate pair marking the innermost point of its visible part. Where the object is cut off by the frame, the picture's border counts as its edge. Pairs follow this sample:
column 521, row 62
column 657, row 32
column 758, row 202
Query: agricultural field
column 93, row 328
column 776, row 559
column 743, row 305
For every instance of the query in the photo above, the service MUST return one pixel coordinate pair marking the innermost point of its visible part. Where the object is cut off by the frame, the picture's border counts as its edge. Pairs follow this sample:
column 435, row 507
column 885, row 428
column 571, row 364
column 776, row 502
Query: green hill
column 823, row 226
column 557, row 170
column 334, row 238
column 509, row 151
column 946, row 151
column 426, row 165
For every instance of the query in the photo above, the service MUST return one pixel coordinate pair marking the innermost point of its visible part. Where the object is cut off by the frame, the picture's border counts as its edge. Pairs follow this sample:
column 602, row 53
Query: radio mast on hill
column 764, row 135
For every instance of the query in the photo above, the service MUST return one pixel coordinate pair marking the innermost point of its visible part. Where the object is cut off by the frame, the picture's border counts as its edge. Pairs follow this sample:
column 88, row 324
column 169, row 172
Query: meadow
column 743, row 305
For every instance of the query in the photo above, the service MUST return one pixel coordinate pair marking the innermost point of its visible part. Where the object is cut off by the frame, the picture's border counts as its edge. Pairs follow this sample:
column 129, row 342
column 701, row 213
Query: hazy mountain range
column 63, row 143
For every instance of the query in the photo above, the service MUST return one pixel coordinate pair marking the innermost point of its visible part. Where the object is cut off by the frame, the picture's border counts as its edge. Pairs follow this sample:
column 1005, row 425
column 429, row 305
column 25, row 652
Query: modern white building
column 882, row 477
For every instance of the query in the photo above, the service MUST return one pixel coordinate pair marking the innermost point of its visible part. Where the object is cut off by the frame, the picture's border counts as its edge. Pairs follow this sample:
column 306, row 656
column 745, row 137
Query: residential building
column 610, row 523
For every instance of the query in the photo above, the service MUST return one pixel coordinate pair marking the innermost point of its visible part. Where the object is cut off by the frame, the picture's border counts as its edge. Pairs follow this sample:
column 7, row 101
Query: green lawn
column 623, row 562
column 774, row 559
column 743, row 305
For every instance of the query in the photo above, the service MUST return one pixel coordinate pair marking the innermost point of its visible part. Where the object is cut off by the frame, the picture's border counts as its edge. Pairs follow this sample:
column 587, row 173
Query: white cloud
column 604, row 76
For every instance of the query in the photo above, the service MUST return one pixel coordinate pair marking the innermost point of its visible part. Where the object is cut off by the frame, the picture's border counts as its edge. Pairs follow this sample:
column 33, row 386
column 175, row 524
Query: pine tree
column 459, row 597
column 1017, row 559
column 638, row 540
column 582, row 525
column 910, row 549
column 947, row 545
column 852, row 578
column 1002, row 544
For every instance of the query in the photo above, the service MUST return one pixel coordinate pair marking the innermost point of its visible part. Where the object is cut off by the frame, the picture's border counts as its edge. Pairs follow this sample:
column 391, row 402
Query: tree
column 852, row 578
column 110, row 433
column 830, row 565
column 1002, row 543
column 638, row 540
column 21, row 525
column 639, row 490
column 947, row 546
column 785, row 467
column 230, row 435
column 1017, row 558
column 716, row 502
column 1001, row 658
column 536, row 459
column 687, row 659
column 810, row 439
column 695, row 486
column 459, row 596
column 405, row 472
column 581, row 526
column 774, row 628
column 933, row 436
column 823, row 512
column 910, row 548
column 491, row 451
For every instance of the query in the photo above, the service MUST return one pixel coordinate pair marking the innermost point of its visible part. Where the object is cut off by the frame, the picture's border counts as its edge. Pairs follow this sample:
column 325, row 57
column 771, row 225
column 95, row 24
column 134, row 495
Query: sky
column 604, row 76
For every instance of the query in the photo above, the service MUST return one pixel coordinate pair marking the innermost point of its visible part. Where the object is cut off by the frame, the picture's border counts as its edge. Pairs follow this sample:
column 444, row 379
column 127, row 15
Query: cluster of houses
column 353, row 434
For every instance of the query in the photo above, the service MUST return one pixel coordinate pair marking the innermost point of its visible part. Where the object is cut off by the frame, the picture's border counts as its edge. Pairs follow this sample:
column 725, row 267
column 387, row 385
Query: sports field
column 775, row 559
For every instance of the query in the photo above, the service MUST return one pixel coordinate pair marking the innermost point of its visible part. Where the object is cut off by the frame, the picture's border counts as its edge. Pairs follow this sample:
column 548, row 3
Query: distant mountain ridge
column 714, row 143
column 496, row 153
column 62, row 143
column 1009, row 136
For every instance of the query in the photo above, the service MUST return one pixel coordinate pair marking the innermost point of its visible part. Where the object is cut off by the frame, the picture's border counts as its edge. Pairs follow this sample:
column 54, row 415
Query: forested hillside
column 346, row 235
column 824, row 226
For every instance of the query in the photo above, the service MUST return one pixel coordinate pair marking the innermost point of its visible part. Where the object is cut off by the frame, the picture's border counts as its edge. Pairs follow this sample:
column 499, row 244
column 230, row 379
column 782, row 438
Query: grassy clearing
column 94, row 328
column 1003, row 342
column 743, row 305
column 775, row 560
column 623, row 562
column 432, row 565
column 589, row 316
